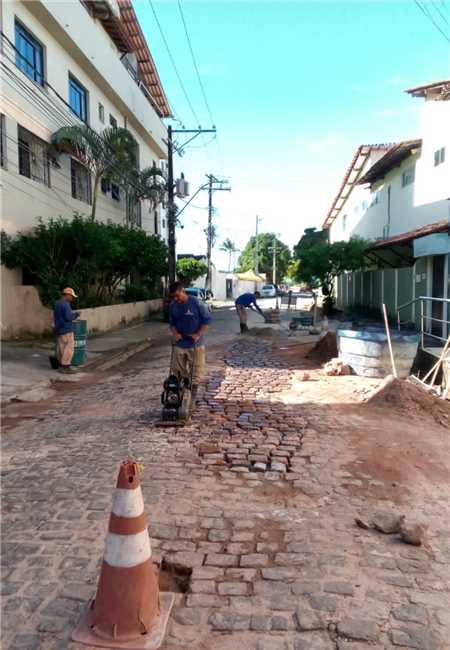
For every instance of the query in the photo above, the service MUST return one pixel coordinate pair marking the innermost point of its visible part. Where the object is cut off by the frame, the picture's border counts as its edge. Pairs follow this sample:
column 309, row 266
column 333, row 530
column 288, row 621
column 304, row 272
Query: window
column 78, row 98
column 3, row 148
column 81, row 182
column 408, row 176
column 164, row 223
column 113, row 121
column 33, row 157
column 29, row 54
column 155, row 217
column 101, row 113
column 344, row 222
column 375, row 198
column 115, row 192
column 439, row 157
column 105, row 185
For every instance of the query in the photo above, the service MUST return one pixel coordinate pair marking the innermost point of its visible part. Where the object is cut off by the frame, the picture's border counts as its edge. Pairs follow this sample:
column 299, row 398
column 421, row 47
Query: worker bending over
column 244, row 302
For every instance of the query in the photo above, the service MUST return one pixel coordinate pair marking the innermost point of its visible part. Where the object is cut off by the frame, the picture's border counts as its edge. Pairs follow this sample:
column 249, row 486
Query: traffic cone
column 128, row 610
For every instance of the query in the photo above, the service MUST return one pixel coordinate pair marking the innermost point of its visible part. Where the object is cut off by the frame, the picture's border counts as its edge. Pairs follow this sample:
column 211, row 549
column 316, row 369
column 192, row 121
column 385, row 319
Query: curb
column 119, row 357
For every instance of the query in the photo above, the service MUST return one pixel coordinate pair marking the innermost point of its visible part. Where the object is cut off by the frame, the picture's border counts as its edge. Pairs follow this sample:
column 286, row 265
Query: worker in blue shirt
column 64, row 328
column 247, row 301
column 189, row 320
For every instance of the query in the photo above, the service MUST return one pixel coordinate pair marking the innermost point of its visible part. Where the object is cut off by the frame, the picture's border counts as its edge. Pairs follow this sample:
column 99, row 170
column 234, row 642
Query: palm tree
column 109, row 153
column 229, row 247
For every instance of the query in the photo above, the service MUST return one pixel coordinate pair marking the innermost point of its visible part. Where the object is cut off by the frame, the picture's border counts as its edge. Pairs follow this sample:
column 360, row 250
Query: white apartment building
column 66, row 63
column 397, row 197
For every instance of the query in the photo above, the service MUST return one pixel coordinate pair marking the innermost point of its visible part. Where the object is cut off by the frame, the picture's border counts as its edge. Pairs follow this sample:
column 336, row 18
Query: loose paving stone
column 314, row 641
column 310, row 620
column 254, row 560
column 361, row 630
column 187, row 616
column 233, row 588
column 260, row 622
column 280, row 623
column 411, row 614
column 342, row 588
column 323, row 603
column 279, row 573
column 221, row 559
column 229, row 620
column 419, row 639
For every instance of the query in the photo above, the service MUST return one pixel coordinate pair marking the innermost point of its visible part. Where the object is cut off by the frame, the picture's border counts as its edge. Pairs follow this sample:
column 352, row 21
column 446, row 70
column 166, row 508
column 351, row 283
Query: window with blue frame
column 29, row 54
column 78, row 98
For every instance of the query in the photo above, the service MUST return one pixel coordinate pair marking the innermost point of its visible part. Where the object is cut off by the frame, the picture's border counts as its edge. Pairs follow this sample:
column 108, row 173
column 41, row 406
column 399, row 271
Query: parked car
column 268, row 291
column 200, row 294
column 196, row 292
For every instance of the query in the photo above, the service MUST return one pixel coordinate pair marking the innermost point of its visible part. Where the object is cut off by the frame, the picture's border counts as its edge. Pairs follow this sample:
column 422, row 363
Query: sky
column 294, row 87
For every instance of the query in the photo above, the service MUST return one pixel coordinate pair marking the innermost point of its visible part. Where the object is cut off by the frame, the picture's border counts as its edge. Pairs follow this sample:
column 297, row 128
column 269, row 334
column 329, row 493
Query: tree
column 189, row 269
column 98, row 259
column 111, row 153
column 229, row 247
column 265, row 256
column 323, row 262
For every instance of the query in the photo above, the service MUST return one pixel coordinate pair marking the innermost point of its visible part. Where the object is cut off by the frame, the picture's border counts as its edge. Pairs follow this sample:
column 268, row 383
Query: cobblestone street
column 253, row 503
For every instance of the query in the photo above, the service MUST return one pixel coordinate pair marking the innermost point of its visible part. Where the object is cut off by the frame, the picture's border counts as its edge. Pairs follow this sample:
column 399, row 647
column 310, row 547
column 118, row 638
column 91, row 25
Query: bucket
column 79, row 355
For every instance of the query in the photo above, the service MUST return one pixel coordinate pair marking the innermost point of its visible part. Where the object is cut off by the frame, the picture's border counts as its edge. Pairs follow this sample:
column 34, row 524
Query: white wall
column 73, row 42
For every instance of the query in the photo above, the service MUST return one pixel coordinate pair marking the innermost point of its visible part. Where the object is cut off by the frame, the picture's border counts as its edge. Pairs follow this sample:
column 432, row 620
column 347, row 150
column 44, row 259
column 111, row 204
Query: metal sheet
column 436, row 244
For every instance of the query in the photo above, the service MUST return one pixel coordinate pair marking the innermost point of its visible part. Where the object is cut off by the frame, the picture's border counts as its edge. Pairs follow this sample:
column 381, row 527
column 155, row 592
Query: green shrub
column 94, row 258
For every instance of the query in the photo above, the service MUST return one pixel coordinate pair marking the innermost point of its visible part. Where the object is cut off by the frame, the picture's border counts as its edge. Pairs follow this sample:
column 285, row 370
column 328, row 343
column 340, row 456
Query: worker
column 189, row 320
column 64, row 330
column 247, row 301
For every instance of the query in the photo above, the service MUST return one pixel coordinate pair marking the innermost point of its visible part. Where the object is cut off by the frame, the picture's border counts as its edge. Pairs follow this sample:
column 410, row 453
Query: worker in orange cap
column 65, row 340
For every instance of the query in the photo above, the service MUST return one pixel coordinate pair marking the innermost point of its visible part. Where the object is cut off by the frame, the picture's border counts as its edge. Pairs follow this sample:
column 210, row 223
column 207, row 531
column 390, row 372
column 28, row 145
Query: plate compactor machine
column 177, row 397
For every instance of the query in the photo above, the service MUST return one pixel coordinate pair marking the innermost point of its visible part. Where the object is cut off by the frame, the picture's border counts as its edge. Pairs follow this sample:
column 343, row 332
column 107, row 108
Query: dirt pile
column 325, row 348
column 401, row 395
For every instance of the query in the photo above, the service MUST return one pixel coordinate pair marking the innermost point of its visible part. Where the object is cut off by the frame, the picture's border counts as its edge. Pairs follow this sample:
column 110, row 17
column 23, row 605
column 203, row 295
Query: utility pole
column 274, row 261
column 209, row 234
column 256, row 246
column 212, row 180
column 171, row 207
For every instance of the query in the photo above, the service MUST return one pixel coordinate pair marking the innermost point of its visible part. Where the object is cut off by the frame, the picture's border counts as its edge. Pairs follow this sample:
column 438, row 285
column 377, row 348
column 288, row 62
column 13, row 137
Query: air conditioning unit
column 104, row 9
column 181, row 188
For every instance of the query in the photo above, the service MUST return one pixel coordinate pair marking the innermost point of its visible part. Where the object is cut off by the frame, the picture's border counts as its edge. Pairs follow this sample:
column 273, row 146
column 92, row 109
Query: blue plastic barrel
column 80, row 331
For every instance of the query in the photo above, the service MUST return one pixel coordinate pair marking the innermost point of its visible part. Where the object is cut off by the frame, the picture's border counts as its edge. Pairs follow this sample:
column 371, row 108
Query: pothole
column 173, row 577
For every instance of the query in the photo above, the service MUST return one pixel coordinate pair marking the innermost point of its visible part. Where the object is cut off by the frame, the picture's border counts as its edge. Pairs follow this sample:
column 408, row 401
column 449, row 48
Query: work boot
column 67, row 370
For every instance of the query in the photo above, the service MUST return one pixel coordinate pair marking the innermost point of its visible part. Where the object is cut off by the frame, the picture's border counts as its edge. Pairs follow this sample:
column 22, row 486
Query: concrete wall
column 22, row 313
column 76, row 43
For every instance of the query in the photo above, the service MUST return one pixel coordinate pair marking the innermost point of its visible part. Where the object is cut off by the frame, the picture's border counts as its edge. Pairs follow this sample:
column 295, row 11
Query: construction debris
column 412, row 534
column 337, row 367
column 407, row 397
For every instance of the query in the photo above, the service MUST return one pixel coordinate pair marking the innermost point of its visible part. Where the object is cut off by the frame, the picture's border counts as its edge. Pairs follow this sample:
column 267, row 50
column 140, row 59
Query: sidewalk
column 26, row 374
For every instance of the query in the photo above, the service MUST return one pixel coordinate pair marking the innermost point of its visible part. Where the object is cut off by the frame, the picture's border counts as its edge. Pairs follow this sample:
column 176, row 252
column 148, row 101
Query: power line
column 439, row 12
column 194, row 61
column 426, row 13
column 174, row 64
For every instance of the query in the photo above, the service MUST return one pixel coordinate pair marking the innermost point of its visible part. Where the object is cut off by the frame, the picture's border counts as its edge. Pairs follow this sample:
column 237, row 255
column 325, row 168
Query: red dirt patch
column 406, row 397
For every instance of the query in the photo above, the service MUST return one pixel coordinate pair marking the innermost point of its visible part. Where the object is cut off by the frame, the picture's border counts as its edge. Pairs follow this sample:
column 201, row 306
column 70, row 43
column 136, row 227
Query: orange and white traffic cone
column 128, row 610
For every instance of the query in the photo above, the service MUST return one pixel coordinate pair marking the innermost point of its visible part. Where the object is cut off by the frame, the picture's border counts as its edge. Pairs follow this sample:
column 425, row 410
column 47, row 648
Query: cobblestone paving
column 250, row 497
